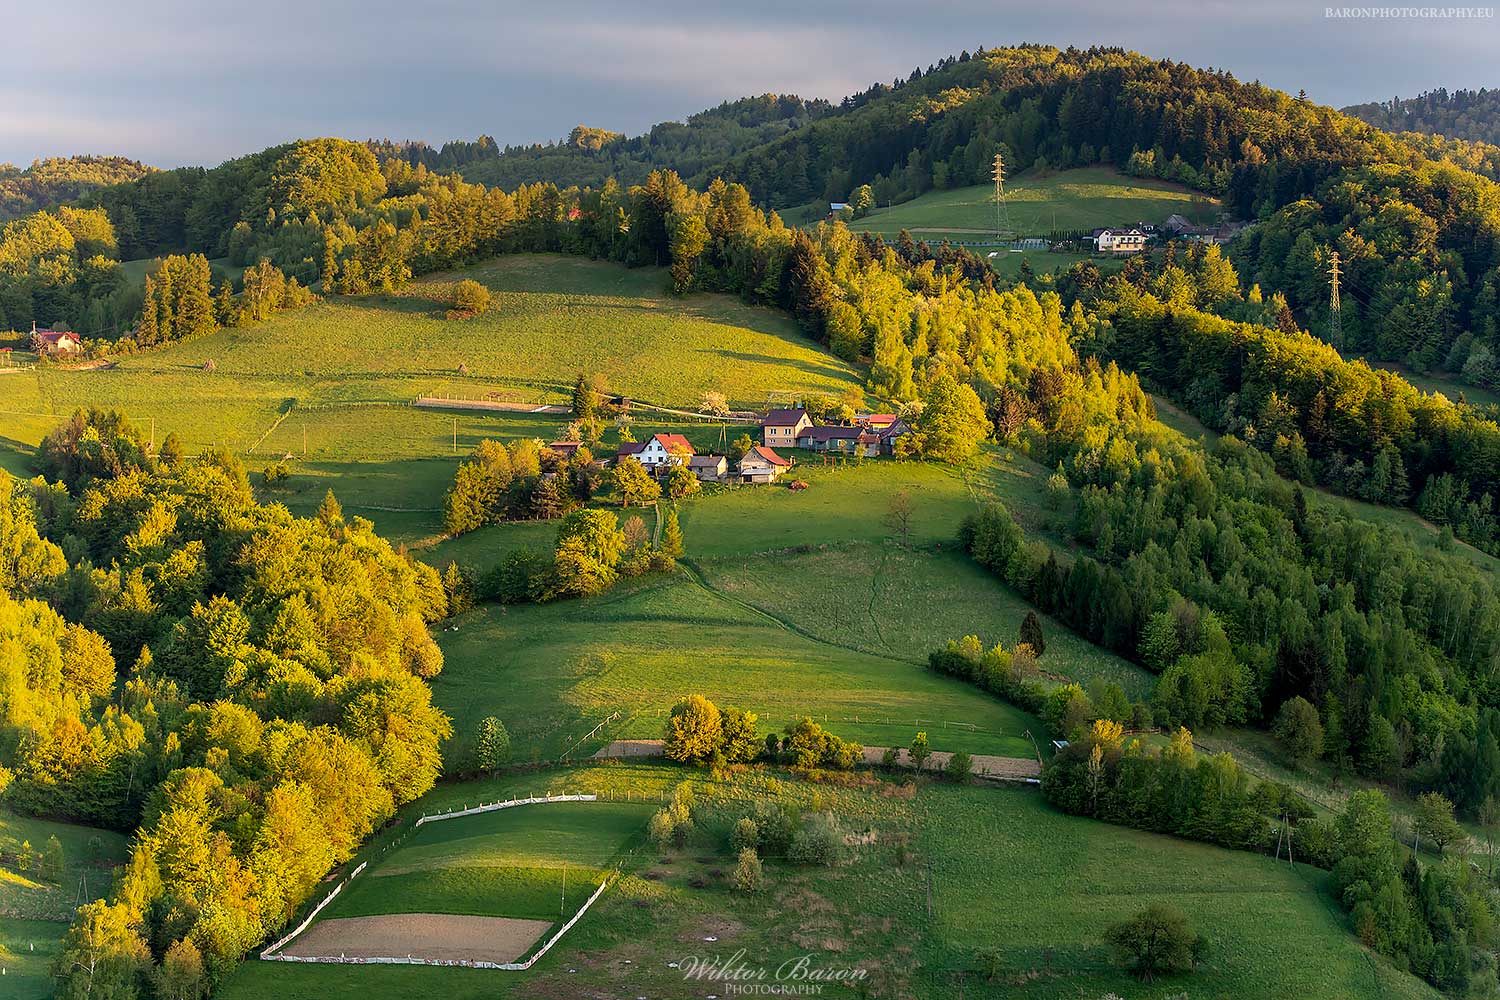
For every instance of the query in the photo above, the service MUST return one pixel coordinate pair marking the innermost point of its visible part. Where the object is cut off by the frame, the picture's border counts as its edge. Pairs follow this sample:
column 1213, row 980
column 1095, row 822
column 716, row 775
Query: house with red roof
column 762, row 465
column 665, row 450
column 55, row 341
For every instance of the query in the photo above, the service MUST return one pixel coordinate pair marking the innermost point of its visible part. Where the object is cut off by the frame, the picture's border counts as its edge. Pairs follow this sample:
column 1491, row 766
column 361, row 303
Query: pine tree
column 330, row 512
column 492, row 745
column 147, row 334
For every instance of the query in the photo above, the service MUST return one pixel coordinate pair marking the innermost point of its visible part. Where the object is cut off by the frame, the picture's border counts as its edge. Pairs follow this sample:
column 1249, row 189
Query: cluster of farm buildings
column 869, row 436
column 1133, row 239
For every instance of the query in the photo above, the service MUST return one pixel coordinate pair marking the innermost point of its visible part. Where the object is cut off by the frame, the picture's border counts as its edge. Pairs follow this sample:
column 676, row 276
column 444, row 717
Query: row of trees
column 243, row 688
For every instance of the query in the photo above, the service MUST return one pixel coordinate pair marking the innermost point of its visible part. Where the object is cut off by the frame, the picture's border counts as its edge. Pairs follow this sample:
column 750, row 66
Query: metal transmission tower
column 1335, row 312
column 1002, row 213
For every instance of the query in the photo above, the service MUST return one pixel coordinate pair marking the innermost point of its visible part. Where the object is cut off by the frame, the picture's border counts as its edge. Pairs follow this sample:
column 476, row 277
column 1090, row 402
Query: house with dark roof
column 781, row 427
column 841, row 440
column 762, row 465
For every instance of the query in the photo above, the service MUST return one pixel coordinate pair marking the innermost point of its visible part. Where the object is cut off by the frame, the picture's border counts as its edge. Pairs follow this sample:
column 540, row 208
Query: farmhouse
column 1119, row 240
column 54, row 341
column 664, row 450
column 890, row 434
column 565, row 448
column 877, row 421
column 709, row 468
column 762, row 465
column 781, row 428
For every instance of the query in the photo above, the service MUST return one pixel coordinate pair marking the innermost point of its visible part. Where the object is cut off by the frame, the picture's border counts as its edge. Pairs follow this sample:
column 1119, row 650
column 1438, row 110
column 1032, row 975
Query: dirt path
column 436, row 937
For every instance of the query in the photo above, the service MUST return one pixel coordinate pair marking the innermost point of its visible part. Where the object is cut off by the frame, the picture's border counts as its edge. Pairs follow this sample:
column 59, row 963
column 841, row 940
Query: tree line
column 243, row 688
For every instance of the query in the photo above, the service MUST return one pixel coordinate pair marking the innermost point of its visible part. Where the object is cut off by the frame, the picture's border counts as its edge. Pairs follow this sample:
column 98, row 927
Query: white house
column 664, row 450
column 1119, row 240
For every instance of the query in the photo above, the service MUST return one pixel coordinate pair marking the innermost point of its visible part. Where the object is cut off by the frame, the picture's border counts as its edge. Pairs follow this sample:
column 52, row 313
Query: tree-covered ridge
column 1460, row 114
column 50, row 182
column 590, row 156
column 244, row 686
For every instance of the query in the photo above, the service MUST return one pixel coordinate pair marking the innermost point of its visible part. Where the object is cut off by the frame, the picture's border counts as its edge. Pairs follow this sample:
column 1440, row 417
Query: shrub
column 959, row 767
column 470, row 297
column 748, row 874
column 819, row 842
column 745, row 834
column 891, row 758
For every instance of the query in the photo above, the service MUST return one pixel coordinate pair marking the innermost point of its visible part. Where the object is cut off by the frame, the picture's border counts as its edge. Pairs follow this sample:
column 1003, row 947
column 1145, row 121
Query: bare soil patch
column 440, row 937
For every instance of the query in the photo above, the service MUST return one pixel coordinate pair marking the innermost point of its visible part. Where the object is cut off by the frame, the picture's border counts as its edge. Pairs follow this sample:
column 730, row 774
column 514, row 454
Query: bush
column 748, row 874
column 745, row 834
column 470, row 297
column 1299, row 730
column 819, row 842
column 960, row 766
column 515, row 580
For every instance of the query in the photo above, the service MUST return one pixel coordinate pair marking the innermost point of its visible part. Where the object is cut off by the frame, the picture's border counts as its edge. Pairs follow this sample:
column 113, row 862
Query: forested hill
column 590, row 156
column 58, row 179
column 1460, row 114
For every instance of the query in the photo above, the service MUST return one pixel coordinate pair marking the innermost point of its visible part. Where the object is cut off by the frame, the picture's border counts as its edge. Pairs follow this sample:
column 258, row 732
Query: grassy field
column 1274, row 931
column 27, row 948
column 512, row 863
column 1085, row 198
column 553, row 672
column 85, row 863
column 941, row 875
column 906, row 602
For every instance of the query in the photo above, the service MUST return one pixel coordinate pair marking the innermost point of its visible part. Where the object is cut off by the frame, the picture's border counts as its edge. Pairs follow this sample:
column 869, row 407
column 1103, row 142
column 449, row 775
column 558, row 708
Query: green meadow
column 90, row 855
column 1084, row 198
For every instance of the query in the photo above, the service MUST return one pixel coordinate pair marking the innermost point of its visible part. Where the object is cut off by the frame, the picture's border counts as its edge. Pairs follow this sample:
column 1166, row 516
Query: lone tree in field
column 1157, row 940
column 714, row 404
column 492, row 746
column 1299, row 730
column 587, row 393
column 1032, row 635
column 470, row 297
column 898, row 516
column 671, row 536
column 694, row 730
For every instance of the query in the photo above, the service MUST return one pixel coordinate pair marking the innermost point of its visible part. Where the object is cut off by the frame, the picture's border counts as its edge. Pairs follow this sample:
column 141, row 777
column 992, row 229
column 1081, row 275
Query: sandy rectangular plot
column 434, row 936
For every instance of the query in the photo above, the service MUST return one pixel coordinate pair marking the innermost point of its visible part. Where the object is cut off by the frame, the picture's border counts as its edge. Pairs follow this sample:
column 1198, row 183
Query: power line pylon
column 1002, row 213
column 1335, row 311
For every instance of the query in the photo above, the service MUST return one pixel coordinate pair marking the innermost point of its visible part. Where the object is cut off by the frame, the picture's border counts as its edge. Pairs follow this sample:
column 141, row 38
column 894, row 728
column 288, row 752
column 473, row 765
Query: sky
column 175, row 82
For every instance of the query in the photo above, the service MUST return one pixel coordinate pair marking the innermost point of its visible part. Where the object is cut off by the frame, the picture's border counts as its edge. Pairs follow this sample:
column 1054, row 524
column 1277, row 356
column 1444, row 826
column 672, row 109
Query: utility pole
column 1002, row 216
column 1335, row 312
column 455, row 435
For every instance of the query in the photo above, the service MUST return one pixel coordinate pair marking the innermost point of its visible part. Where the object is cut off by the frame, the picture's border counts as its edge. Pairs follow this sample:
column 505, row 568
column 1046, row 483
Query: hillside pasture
column 553, row 672
column 90, row 856
column 1085, row 198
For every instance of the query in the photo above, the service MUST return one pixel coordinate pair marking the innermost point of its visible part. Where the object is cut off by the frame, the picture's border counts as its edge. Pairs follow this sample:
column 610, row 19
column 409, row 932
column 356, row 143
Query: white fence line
column 272, row 953
column 269, row 953
column 507, row 804
column 463, row 962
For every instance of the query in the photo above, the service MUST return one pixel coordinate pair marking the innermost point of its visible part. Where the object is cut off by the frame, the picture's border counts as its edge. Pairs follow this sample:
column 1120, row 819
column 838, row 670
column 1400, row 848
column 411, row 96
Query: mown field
column 1085, row 198
column 516, row 862
column 943, row 876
